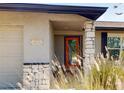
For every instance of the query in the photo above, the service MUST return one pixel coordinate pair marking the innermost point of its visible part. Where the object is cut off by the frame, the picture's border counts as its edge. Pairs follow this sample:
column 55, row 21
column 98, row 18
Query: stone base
column 36, row 76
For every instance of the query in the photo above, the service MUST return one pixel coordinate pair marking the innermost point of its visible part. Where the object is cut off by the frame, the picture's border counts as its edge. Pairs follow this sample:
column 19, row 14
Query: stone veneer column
column 36, row 76
column 89, row 45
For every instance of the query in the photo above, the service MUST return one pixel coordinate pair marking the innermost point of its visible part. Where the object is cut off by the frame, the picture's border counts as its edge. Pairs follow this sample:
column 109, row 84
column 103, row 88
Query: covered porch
column 73, row 42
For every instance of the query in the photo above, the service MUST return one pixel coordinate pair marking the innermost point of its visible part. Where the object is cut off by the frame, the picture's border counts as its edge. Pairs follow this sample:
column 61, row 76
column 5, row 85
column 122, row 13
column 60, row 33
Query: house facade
column 31, row 35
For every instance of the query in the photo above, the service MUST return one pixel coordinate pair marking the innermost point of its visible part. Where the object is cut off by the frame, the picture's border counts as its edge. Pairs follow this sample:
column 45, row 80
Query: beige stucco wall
column 98, row 42
column 35, row 27
column 38, row 36
column 59, row 47
column 51, row 39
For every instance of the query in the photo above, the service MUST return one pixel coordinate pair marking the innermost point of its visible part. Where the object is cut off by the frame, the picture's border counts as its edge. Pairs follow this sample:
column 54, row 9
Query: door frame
column 80, row 48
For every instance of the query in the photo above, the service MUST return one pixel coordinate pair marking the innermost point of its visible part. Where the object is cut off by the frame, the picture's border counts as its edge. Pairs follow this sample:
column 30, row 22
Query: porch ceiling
column 67, row 25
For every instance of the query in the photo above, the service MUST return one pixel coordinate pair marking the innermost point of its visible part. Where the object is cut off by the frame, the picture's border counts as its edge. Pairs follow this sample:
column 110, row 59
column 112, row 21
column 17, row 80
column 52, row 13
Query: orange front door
column 72, row 50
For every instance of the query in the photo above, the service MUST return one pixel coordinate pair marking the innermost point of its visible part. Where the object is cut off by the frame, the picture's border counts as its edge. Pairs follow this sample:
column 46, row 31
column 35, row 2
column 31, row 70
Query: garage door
column 10, row 55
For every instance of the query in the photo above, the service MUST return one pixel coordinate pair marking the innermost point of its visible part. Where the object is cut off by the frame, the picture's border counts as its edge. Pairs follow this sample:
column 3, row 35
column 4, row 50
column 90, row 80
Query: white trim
column 61, row 32
column 115, row 34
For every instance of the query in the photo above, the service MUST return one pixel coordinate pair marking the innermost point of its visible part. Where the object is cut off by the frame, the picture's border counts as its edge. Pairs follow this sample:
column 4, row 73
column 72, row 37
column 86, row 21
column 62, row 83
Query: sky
column 112, row 14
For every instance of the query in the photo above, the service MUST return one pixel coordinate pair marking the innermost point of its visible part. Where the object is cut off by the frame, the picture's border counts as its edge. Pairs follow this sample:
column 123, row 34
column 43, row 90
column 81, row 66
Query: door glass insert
column 72, row 51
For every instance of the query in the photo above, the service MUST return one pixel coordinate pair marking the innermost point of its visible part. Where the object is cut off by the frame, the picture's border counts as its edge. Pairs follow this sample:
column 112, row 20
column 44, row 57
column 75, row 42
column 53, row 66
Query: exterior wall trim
column 36, row 63
column 110, row 28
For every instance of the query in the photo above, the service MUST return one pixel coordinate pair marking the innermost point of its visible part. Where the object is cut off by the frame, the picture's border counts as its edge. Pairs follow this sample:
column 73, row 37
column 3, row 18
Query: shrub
column 105, row 73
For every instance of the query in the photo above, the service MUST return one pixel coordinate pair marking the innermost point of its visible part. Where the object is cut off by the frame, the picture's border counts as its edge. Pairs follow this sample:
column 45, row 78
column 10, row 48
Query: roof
column 86, row 11
column 109, row 25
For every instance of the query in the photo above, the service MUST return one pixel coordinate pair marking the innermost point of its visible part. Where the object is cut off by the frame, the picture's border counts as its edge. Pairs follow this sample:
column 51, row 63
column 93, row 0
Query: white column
column 89, row 45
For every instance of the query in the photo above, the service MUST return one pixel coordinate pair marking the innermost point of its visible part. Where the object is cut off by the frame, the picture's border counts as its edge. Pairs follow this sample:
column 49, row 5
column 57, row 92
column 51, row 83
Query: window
column 115, row 44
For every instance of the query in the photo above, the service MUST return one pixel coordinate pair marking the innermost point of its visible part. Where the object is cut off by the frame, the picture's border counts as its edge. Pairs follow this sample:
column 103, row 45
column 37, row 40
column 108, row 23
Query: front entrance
column 72, row 50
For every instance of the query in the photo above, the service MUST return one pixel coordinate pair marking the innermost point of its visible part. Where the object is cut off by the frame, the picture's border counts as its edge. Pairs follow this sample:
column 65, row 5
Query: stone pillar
column 89, row 45
column 36, row 76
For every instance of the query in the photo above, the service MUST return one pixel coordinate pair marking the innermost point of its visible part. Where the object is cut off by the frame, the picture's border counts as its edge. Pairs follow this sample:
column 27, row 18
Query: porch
column 73, row 42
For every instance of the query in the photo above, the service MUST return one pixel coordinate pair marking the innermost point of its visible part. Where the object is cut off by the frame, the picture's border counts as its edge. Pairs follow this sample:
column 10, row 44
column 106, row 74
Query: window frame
column 121, row 36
